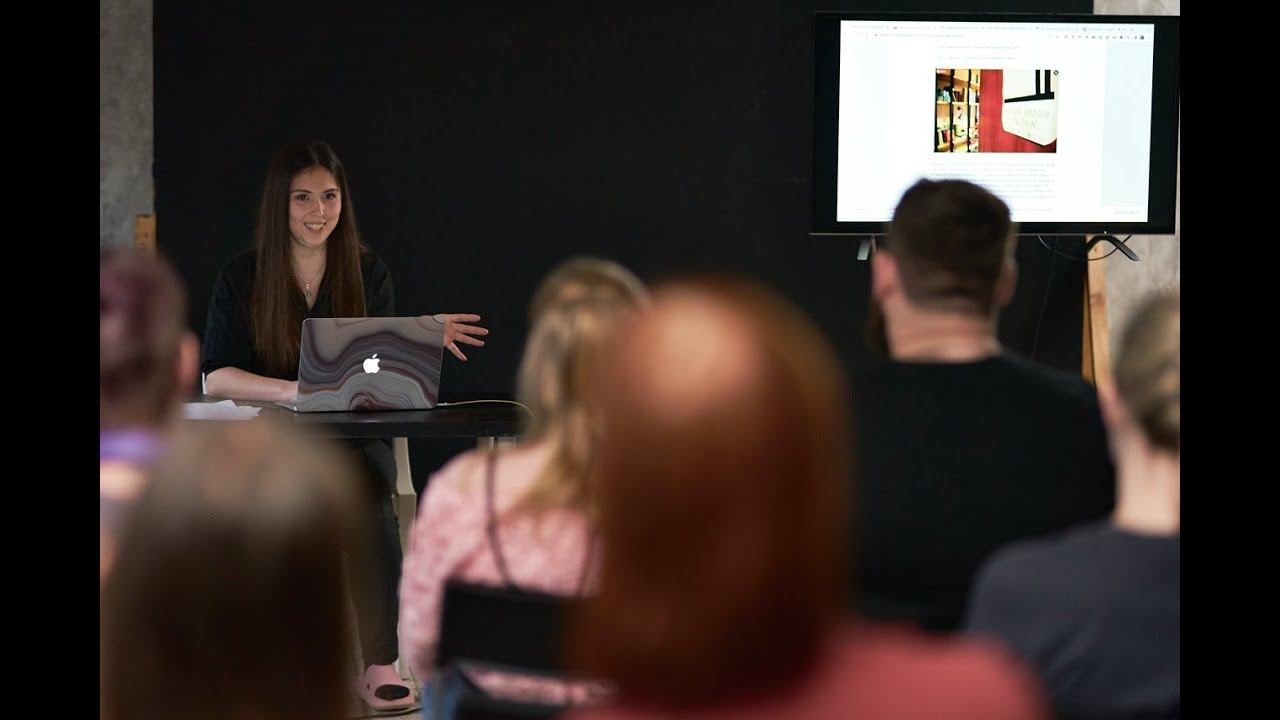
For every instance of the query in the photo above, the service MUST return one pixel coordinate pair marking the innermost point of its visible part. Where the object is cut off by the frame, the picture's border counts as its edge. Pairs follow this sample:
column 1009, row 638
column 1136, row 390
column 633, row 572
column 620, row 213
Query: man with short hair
column 961, row 445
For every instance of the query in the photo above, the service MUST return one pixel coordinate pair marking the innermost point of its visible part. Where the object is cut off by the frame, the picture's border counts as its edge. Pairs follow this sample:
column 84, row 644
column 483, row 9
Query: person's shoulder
column 236, row 277
column 1033, row 549
column 966, row 676
column 1065, row 386
column 371, row 263
column 453, row 500
column 1044, row 560
column 120, row 480
column 240, row 267
column 243, row 261
column 983, row 677
column 461, row 475
column 514, row 470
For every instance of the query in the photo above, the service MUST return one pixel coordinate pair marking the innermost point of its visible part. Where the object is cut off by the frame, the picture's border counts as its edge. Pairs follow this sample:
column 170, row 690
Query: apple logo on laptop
column 371, row 365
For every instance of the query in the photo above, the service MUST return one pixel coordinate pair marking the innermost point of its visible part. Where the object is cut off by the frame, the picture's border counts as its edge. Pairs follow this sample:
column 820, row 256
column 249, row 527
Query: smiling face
column 315, row 202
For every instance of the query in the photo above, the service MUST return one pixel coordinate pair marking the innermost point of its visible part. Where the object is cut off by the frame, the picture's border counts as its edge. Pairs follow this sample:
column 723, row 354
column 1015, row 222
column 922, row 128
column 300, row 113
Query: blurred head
column 227, row 595
column 306, row 206
column 574, row 310
column 147, row 358
column 721, row 467
column 1147, row 394
column 948, row 248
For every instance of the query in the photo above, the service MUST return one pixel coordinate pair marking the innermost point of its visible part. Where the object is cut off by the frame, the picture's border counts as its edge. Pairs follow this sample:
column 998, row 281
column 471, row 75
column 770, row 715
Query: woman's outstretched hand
column 455, row 331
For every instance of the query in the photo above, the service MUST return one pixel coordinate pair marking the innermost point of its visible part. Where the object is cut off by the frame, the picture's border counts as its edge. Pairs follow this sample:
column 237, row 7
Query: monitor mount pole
column 867, row 247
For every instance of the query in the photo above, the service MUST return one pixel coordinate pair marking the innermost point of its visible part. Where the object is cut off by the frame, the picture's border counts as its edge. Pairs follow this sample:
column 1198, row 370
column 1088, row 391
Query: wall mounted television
column 1071, row 119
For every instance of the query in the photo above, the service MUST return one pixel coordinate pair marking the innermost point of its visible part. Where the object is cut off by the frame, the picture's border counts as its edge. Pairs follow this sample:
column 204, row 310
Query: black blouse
column 228, row 337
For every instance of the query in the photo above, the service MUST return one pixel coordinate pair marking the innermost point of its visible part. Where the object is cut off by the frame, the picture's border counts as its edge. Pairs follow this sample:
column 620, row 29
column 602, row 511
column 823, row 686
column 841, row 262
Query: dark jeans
column 376, row 556
column 449, row 686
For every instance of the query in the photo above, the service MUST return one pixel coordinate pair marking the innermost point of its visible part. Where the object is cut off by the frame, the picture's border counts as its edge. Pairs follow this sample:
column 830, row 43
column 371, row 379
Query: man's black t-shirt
column 228, row 335
column 953, row 461
column 1096, row 613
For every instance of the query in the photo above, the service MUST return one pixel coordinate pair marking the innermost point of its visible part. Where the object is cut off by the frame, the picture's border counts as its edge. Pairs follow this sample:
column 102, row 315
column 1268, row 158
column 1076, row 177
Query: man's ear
column 1007, row 283
column 884, row 275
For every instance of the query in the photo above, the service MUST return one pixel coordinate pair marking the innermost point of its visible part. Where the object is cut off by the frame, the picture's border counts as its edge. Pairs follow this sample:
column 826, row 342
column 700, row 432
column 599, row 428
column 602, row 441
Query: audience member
column 147, row 362
column 228, row 596
column 537, row 496
column 1096, row 611
column 721, row 470
column 963, row 446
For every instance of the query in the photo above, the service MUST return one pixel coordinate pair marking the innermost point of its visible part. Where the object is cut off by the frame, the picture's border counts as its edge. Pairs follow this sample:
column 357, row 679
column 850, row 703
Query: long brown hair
column 573, row 312
column 227, row 595
column 722, row 472
column 277, row 309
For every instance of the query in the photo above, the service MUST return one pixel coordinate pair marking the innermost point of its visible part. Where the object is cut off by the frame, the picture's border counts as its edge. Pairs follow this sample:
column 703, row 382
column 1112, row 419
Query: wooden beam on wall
column 144, row 233
column 1096, row 345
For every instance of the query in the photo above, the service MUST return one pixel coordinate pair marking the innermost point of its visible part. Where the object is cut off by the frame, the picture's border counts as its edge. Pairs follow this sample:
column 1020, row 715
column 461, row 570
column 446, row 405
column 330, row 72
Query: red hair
column 722, row 471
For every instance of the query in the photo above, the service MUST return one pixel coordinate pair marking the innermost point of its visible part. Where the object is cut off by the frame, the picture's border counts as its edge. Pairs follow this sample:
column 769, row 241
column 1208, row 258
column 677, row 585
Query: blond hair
column 572, row 313
column 1148, row 370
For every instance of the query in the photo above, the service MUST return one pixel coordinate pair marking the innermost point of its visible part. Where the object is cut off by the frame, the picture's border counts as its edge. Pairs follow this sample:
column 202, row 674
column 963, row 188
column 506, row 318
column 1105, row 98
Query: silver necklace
column 306, row 286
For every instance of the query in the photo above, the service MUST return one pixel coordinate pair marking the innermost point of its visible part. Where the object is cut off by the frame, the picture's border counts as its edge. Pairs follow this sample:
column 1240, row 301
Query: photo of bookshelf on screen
column 995, row 111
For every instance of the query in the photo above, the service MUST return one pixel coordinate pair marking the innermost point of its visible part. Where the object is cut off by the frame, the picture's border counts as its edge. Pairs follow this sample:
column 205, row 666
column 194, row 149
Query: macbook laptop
column 379, row 363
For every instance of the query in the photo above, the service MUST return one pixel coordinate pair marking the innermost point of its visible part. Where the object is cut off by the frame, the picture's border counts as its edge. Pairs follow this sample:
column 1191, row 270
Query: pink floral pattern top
column 544, row 552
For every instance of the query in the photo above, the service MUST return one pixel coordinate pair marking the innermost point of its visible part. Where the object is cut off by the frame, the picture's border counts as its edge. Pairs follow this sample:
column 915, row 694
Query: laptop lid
column 379, row 363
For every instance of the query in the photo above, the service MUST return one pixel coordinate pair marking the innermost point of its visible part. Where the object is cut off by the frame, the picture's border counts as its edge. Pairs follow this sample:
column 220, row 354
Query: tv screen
column 1071, row 119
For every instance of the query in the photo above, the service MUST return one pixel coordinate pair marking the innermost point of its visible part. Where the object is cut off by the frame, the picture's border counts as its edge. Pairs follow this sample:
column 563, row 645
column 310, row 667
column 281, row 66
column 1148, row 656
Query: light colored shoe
column 384, row 691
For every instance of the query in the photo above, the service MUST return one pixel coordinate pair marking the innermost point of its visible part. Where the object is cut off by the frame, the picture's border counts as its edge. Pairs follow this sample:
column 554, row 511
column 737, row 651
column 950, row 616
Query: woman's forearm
column 237, row 384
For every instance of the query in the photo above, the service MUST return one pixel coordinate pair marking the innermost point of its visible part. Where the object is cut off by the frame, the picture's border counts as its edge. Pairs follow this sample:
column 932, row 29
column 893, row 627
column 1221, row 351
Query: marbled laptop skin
column 338, row 356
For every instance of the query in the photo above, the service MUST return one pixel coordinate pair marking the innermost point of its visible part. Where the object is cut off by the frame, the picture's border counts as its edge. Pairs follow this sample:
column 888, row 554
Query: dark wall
column 485, row 141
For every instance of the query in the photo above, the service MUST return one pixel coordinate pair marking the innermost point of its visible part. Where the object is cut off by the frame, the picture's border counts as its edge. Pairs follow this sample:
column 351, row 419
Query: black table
column 486, row 420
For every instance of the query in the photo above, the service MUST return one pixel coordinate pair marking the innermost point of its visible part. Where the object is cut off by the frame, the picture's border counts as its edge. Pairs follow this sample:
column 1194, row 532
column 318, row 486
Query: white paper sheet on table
column 224, row 410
